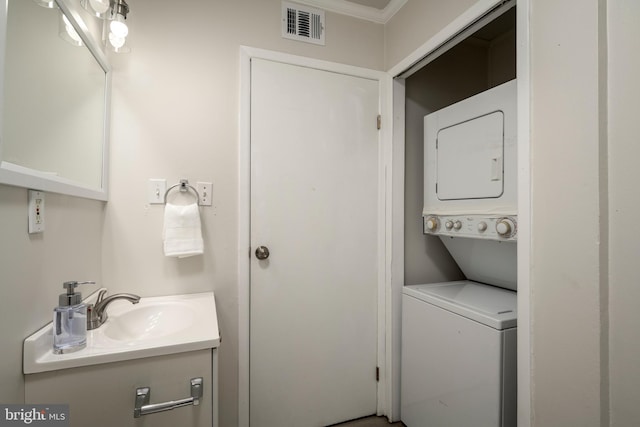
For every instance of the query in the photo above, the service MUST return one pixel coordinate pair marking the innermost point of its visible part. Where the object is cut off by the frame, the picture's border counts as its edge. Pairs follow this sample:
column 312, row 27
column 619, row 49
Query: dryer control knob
column 448, row 225
column 482, row 226
column 505, row 227
column 431, row 223
column 457, row 225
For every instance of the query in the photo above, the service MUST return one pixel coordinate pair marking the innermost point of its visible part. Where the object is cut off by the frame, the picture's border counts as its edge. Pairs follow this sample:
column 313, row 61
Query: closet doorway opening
column 483, row 48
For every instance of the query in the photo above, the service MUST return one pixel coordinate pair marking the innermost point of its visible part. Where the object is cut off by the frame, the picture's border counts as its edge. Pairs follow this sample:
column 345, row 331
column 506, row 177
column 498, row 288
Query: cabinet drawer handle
column 143, row 395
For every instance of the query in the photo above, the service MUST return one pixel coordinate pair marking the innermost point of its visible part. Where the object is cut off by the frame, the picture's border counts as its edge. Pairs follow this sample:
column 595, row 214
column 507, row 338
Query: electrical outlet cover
column 204, row 191
column 156, row 190
column 36, row 211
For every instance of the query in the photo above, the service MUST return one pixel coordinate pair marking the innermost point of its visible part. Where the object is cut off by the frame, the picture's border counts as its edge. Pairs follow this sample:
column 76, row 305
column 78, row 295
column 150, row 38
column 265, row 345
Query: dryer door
column 469, row 159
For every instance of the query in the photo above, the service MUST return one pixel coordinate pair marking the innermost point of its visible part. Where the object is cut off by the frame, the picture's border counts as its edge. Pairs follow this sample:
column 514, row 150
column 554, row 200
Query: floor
column 369, row 422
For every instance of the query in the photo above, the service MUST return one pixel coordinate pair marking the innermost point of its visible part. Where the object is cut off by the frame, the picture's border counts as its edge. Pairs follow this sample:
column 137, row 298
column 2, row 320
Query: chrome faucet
column 97, row 313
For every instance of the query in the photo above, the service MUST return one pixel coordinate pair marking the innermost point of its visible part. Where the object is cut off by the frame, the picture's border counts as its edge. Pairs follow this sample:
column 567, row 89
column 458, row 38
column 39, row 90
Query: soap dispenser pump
column 70, row 320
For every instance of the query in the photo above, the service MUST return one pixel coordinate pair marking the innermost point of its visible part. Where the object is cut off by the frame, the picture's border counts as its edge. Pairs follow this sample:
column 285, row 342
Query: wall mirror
column 55, row 100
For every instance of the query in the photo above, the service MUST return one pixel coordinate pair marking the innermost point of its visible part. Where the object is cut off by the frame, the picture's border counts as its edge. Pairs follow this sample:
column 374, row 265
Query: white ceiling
column 379, row 11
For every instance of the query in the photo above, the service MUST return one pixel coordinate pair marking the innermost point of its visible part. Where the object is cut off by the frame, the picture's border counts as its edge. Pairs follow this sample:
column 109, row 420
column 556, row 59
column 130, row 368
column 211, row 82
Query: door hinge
column 377, row 374
column 379, row 121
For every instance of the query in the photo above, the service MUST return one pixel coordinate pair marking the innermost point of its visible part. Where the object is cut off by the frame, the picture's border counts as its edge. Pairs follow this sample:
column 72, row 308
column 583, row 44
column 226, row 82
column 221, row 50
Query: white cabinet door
column 104, row 395
column 451, row 369
column 314, row 204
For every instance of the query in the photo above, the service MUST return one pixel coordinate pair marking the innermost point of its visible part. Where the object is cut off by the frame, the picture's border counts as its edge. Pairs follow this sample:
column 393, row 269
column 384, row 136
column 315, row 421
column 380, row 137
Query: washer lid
column 489, row 305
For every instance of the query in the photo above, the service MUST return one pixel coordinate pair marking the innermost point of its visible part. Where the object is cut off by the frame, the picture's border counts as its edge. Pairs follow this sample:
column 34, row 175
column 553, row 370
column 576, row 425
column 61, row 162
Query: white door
column 469, row 159
column 314, row 204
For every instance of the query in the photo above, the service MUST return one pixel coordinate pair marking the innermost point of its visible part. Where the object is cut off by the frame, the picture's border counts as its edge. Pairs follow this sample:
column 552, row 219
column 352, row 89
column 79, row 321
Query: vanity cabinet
column 103, row 395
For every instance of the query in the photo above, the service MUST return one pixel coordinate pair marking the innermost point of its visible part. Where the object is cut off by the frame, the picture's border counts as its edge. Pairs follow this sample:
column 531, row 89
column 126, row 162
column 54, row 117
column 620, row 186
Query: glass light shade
column 68, row 33
column 97, row 8
column 118, row 27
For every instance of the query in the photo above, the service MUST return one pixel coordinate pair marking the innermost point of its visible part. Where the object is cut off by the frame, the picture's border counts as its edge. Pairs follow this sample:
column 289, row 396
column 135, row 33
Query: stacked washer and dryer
column 459, row 338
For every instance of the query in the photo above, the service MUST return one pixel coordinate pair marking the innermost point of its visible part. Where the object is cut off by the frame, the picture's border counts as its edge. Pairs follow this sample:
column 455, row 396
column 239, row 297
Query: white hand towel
column 182, row 233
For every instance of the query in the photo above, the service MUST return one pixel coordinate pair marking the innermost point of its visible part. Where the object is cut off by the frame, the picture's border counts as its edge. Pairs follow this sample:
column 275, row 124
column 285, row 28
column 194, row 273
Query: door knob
column 262, row 252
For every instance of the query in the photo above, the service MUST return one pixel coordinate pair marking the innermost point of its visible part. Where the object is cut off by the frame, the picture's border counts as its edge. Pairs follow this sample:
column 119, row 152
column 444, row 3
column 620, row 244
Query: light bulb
column 116, row 42
column 119, row 27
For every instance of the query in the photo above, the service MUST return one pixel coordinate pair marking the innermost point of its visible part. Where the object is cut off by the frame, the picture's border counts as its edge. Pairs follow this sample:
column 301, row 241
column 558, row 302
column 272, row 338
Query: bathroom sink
column 149, row 321
column 155, row 326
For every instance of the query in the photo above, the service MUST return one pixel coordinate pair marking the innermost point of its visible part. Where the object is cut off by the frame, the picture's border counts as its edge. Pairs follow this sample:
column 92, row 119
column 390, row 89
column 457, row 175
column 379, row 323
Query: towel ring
column 184, row 187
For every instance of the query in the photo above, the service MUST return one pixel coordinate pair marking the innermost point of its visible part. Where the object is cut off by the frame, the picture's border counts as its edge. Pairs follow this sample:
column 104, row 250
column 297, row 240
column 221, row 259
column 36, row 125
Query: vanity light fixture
column 114, row 12
column 118, row 29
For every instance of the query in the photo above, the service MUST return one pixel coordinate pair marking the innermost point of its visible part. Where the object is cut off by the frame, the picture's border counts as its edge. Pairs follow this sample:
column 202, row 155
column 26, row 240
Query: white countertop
column 202, row 333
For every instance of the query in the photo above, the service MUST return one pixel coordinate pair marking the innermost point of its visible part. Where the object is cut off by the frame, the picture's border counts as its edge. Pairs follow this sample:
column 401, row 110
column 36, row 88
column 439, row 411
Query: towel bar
column 184, row 187
column 142, row 406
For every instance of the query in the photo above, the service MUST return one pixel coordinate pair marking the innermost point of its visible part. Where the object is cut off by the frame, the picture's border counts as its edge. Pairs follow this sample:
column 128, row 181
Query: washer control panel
column 491, row 227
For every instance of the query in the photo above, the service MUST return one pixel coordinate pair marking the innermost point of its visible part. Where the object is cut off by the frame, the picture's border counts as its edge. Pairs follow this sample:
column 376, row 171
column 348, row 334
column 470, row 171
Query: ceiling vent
column 302, row 23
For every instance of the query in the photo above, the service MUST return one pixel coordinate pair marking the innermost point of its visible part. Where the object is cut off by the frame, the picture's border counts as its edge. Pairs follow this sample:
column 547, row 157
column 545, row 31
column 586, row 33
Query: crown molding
column 380, row 16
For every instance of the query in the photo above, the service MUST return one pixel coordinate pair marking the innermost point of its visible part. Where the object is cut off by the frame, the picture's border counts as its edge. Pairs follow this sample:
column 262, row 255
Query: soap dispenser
column 70, row 321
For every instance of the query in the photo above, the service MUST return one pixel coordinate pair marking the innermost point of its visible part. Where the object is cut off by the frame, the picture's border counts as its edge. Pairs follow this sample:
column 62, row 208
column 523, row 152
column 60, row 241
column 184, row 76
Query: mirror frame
column 14, row 175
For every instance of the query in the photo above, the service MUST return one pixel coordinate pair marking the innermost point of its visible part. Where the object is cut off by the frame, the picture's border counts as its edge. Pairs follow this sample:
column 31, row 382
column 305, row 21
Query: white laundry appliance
column 459, row 351
column 470, row 183
column 459, row 338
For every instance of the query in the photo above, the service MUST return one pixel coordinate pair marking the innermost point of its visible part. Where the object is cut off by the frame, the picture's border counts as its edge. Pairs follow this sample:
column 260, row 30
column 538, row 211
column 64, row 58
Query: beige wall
column 584, row 154
column 415, row 23
column 568, row 247
column 624, row 228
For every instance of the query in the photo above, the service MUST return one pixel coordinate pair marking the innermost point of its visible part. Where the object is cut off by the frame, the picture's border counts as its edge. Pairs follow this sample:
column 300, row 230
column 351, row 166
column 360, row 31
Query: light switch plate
column 204, row 190
column 156, row 189
column 36, row 211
